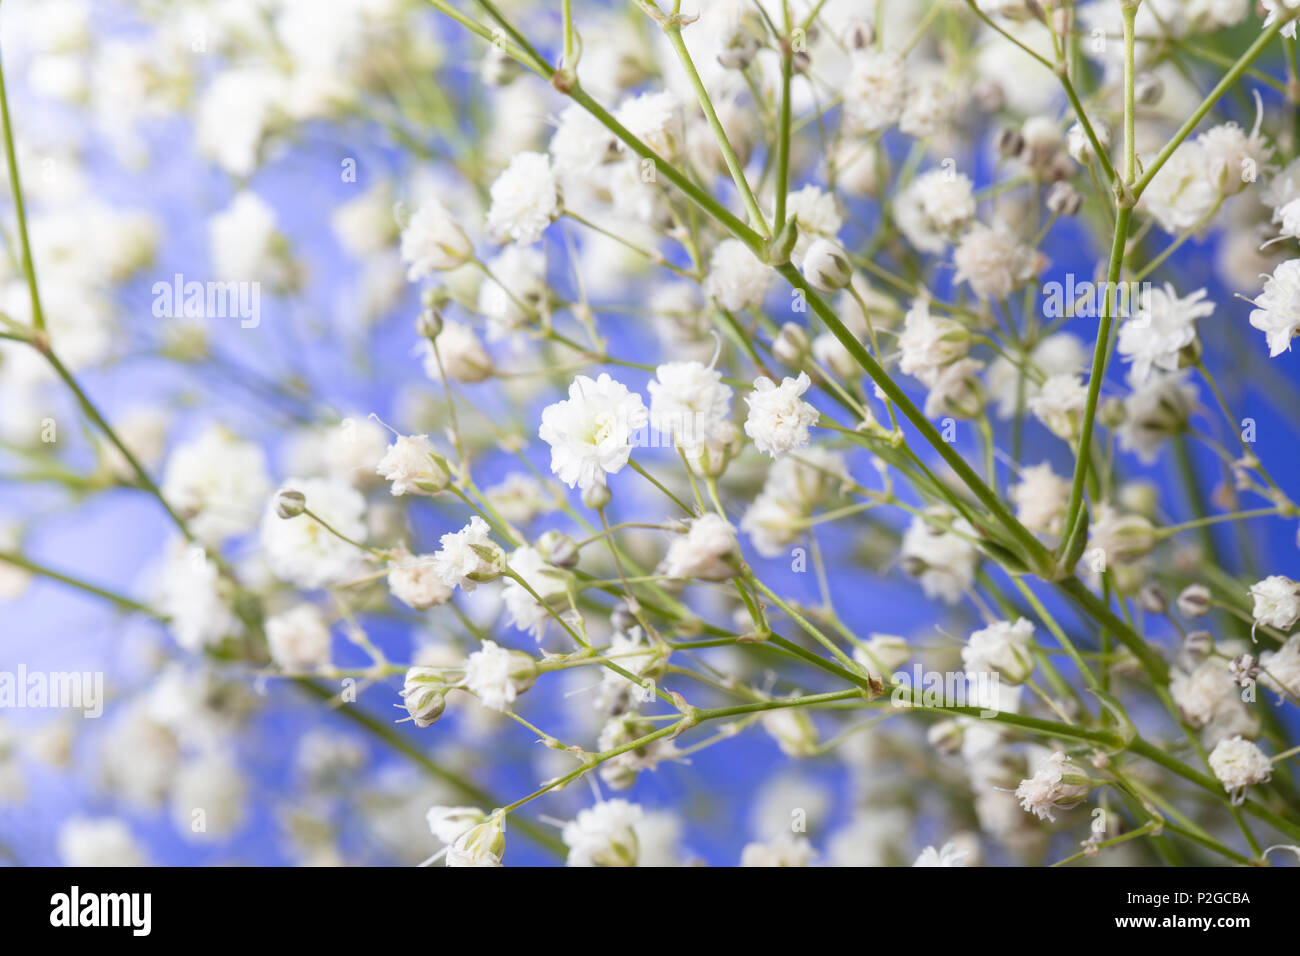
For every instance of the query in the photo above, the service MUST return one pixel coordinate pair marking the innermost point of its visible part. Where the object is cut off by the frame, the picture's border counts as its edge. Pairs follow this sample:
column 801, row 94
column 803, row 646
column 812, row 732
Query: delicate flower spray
column 874, row 382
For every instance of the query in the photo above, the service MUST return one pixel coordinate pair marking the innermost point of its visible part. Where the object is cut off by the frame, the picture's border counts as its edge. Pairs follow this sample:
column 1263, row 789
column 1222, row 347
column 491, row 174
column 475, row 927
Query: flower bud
column 1194, row 601
column 792, row 729
column 1148, row 89
column 946, row 736
column 429, row 323
column 1153, row 599
column 859, row 34
column 1112, row 413
column 989, row 95
column 290, row 503
column 424, row 694
column 957, row 391
column 1064, row 200
column 499, row 68
column 449, row 824
column 1197, row 645
column 791, row 345
column 738, row 48
column 1244, row 669
column 482, row 845
column 1010, row 142
column 596, row 497
column 826, row 266
column 564, row 552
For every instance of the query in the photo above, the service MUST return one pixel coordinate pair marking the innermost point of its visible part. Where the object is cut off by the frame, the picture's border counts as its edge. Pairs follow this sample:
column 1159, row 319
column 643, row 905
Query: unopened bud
column 1010, row 142
column 596, row 497
column 424, row 694
column 859, row 34
column 791, row 345
column 1194, row 601
column 1063, row 199
column 1148, row 89
column 290, row 503
column 826, row 266
column 1153, row 599
column 1197, row 645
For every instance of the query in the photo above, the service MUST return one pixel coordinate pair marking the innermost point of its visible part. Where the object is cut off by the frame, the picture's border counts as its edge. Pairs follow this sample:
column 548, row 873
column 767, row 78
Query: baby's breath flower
column 525, row 199
column 468, row 557
column 591, row 433
column 1238, row 763
column 1277, row 602
column 414, row 466
column 604, row 835
column 1004, row 647
column 1058, row 784
column 413, row 580
column 736, row 279
column 708, row 551
column 1278, row 308
column 299, row 638
column 778, row 418
column 432, row 241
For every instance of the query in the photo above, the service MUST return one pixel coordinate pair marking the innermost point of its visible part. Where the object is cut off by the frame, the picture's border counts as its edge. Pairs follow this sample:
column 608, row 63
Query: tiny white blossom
column 591, row 432
column 413, row 579
column 1004, row 647
column 1277, row 602
column 947, row 855
column 689, row 401
column 414, row 466
column 876, row 90
column 1162, row 332
column 466, row 557
column 1278, row 312
column 778, row 418
column 1059, row 405
column 737, row 279
column 707, row 552
column 1040, row 498
column 299, row 638
column 497, row 676
column 1057, row 785
column 525, row 199
column 1238, row 763
column 432, row 241
column 604, row 835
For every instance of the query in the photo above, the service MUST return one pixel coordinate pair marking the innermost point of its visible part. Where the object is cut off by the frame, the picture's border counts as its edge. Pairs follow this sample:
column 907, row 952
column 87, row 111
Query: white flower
column 1162, row 332
column 449, row 824
column 1277, row 602
column 1057, row 354
column 245, row 244
column 467, row 557
column 826, row 266
column 190, row 595
column 1280, row 669
column 482, row 845
column 818, row 216
column 214, row 783
column 581, row 142
column 1041, row 497
column 929, row 343
column 1181, row 194
column 300, row 550
column 1079, row 146
column 545, row 579
column 1003, row 647
column 525, row 199
column 424, row 695
column 993, row 261
column 957, row 391
column 1278, row 8
column 413, row 580
column 653, row 118
column 233, row 115
column 517, row 288
column 1234, row 158
column 218, row 482
column 462, row 354
column 591, row 432
column 783, row 851
column 707, row 552
column 1238, row 763
column 778, row 418
column 1057, row 785
column 948, row 855
column 1156, row 410
column 944, row 561
column 882, row 654
column 414, row 466
column 689, row 402
column 1059, row 405
column 934, row 208
column 1205, row 693
column 432, row 241
column 929, row 108
column 792, row 729
column 876, row 89
column 1278, row 312
column 497, row 676
column 299, row 638
column 773, row 523
column 104, row 842
column 737, row 279
column 604, row 835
